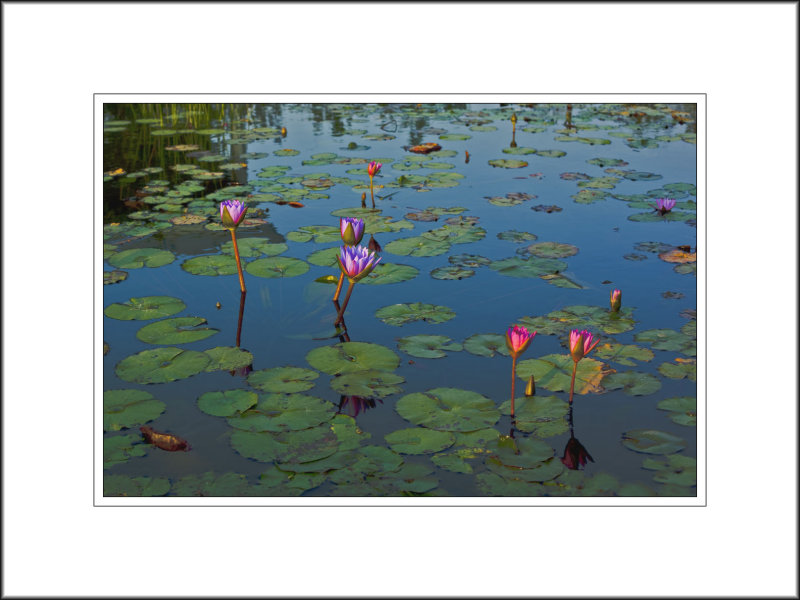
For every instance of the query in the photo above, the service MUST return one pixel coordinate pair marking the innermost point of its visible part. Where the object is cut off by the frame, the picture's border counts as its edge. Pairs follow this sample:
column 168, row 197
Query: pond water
column 527, row 215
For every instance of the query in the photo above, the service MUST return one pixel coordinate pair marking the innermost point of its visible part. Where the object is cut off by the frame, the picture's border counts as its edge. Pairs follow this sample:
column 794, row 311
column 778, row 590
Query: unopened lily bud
column 363, row 199
column 616, row 300
column 530, row 389
column 283, row 131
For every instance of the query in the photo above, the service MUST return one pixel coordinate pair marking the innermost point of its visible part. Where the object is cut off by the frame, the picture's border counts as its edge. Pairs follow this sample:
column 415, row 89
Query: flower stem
column 572, row 383
column 338, row 287
column 238, row 261
column 340, row 316
column 371, row 194
column 241, row 314
column 513, row 382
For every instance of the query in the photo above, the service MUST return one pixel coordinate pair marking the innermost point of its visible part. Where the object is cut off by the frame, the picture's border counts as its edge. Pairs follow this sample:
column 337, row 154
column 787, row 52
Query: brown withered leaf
column 678, row 256
column 165, row 441
column 425, row 148
column 296, row 204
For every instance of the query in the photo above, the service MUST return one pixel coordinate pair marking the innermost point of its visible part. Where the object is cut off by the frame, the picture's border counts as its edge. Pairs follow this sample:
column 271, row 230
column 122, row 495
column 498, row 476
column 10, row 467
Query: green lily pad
column 283, row 380
column 284, row 412
column 551, row 153
column 121, row 448
column 583, row 140
column 141, row 257
column 655, row 217
column 161, row 365
column 227, row 403
column 599, row 183
column 508, row 163
column 592, row 318
column 286, row 152
column 401, row 314
column 486, row 344
column 682, row 411
column 253, row 247
column 519, row 150
column 228, row 358
column 633, row 383
column 675, row 470
column 210, row 484
column 367, row 384
column 607, row 162
column 462, row 233
column 321, row 234
column 454, row 137
column 210, row 265
column 527, row 267
column 521, row 453
column 468, row 261
column 145, row 308
column 561, row 280
column 453, row 462
column 277, row 266
column 622, row 353
column 543, row 416
column 452, row 273
column 419, row 440
column 448, row 409
column 679, row 370
column 554, row 371
column 669, row 339
column 386, row 273
column 552, row 250
column 686, row 269
column 122, row 485
column 128, row 408
column 288, row 446
column 652, row 441
column 543, row 471
column 115, row 276
column 349, row 357
column 516, row 236
column 589, row 196
column 417, row 246
column 325, row 257
column 180, row 330
column 427, row 346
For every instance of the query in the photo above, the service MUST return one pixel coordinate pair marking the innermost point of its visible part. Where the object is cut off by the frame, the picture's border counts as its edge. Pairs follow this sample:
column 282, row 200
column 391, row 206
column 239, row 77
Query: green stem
column 572, row 383
column 340, row 316
column 513, row 382
column 238, row 261
column 371, row 194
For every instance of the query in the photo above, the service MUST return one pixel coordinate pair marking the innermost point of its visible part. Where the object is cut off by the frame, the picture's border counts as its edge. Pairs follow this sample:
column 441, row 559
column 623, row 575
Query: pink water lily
column 575, row 455
column 356, row 262
column 580, row 344
column 518, row 339
column 373, row 168
column 616, row 300
column 664, row 205
column 352, row 230
column 232, row 213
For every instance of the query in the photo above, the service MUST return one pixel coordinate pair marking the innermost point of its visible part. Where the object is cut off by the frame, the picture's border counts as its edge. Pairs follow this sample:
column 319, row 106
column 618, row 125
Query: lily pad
column 277, row 266
column 652, row 441
column 401, row 314
column 161, row 365
column 519, row 150
column 632, row 383
column 607, row 162
column 592, row 318
column 680, row 369
column 561, row 280
column 554, row 371
column 527, row 267
column 349, row 357
column 368, row 384
column 210, row 265
column 213, row 485
column 589, row 196
column 386, row 273
column 122, row 485
column 284, row 412
column 419, row 440
column 552, row 250
column 468, row 261
column 669, row 339
column 145, row 308
column 508, row 163
column 655, row 217
column 486, row 344
column 551, row 153
column 129, row 408
column 448, row 409
column 115, row 276
column 622, row 353
column 253, row 247
column 228, row 358
column 452, row 273
column 227, row 403
column 543, row 416
column 141, row 257
column 325, row 257
column 118, row 449
column 522, row 453
column 180, row 330
column 428, row 346
column 516, row 236
column 682, row 410
column 675, row 470
column 289, row 446
column 321, row 234
column 460, row 233
column 417, row 246
column 283, row 380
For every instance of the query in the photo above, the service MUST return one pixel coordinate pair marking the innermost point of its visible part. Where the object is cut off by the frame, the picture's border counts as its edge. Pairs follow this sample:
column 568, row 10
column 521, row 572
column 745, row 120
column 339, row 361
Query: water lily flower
column 664, row 205
column 616, row 300
column 352, row 230
column 518, row 339
column 575, row 455
column 232, row 213
column 580, row 344
column 373, row 168
column 356, row 262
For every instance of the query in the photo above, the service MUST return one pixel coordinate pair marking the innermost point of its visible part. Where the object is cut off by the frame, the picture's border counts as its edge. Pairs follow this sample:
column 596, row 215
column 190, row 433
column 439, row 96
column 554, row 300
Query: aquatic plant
column 517, row 339
column 351, row 230
column 355, row 262
column 664, row 205
column 580, row 344
column 616, row 300
column 232, row 213
column 372, row 169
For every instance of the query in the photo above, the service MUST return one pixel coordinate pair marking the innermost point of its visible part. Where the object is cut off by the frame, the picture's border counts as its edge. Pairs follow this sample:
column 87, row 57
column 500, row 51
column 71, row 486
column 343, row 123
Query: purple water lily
column 232, row 213
column 352, row 230
column 664, row 205
column 356, row 262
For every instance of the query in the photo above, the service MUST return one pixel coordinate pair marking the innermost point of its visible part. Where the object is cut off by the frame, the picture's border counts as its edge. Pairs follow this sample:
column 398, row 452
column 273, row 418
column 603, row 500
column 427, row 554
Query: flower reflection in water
column 575, row 455
column 356, row 404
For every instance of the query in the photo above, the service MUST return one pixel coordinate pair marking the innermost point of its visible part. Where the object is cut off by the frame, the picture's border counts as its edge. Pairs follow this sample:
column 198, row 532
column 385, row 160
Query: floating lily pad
column 141, row 257
column 554, row 371
column 428, row 346
column 551, row 153
column 669, row 339
column 115, row 276
column 180, row 330
column 228, row 358
column 607, row 162
column 675, row 470
column 188, row 219
column 290, row 446
column 452, row 273
column 213, row 485
column 459, row 233
column 143, row 309
column 253, row 247
column 655, row 217
column 599, row 183
column 680, row 369
column 468, row 261
column 543, row 416
column 283, row 380
column 448, row 409
column 519, row 150
column 417, row 246
column 530, row 267
column 386, row 273
column 552, row 250
column 686, row 269
column 682, row 411
column 486, row 344
column 452, row 461
column 419, row 440
column 368, row 384
column 401, row 314
column 583, row 140
column 641, row 176
column 284, row 412
column 122, row 485
column 592, row 318
column 454, row 136
column 325, row 257
column 227, row 403
column 622, row 353
column 129, row 408
column 286, row 152
column 508, row 163
column 349, row 357
column 560, row 280
column 510, row 199
column 632, row 383
column 516, row 236
column 652, row 441
column 160, row 365
column 121, row 448
column 321, row 234
column 521, row 453
column 589, row 196
column 676, row 255
column 277, row 266
column 210, row 265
